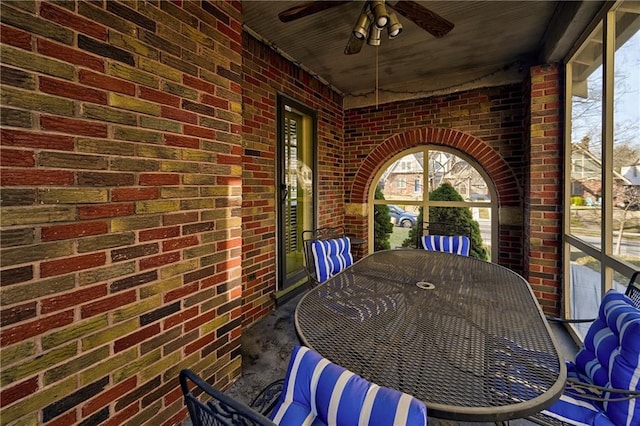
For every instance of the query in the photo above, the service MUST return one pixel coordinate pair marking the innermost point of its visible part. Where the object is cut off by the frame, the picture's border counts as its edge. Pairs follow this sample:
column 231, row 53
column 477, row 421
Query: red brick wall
column 121, row 207
column 545, row 187
column 266, row 74
column 138, row 173
column 485, row 123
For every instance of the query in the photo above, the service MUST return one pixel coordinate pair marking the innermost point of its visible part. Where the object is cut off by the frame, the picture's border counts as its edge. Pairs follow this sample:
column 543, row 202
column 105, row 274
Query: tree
column 448, row 167
column 453, row 220
column 382, row 226
column 625, row 155
column 458, row 219
column 586, row 117
column 414, row 235
column 630, row 196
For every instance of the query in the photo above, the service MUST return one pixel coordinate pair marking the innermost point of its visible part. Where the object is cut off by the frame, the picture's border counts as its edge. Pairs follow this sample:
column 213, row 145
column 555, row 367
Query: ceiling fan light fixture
column 380, row 14
column 374, row 36
column 394, row 28
column 361, row 29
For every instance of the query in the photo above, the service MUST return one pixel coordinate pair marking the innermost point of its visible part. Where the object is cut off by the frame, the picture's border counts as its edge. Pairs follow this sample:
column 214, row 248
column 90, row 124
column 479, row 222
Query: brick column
column 544, row 187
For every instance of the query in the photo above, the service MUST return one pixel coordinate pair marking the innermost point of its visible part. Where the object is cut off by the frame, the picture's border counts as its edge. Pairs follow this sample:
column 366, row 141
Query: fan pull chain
column 376, row 77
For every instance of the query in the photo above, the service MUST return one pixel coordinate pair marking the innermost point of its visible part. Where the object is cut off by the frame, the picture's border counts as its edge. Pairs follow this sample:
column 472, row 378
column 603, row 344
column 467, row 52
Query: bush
column 382, row 226
column 458, row 220
column 577, row 201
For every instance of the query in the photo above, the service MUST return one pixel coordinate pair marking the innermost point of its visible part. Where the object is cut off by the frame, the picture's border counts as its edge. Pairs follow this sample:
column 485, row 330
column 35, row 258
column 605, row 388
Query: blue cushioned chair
column 327, row 251
column 318, row 392
column 314, row 392
column 604, row 381
column 456, row 244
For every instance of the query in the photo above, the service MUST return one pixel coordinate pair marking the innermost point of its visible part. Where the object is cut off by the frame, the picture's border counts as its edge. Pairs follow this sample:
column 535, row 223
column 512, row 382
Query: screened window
column 603, row 138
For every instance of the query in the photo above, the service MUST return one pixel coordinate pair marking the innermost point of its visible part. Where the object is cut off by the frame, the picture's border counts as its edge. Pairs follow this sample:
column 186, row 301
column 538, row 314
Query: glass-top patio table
column 465, row 336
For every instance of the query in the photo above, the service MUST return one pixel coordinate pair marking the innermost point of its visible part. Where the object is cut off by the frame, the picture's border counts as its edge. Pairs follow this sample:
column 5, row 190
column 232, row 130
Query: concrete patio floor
column 267, row 345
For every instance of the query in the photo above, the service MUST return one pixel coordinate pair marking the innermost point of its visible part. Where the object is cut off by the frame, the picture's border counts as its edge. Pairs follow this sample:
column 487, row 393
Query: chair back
column 609, row 359
column 319, row 392
column 327, row 251
column 215, row 408
column 440, row 237
column 456, row 244
column 633, row 289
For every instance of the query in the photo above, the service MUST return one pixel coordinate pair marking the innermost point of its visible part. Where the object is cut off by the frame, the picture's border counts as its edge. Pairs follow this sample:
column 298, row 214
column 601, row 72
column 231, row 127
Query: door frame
column 283, row 101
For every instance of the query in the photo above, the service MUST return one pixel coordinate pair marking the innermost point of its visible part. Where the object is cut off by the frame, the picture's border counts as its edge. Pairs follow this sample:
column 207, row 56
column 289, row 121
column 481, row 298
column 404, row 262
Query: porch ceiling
column 492, row 43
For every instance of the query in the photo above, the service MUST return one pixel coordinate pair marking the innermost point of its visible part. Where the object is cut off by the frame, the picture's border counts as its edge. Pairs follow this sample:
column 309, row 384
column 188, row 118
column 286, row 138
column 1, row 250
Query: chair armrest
column 218, row 408
column 596, row 393
column 633, row 289
column 268, row 397
column 570, row 321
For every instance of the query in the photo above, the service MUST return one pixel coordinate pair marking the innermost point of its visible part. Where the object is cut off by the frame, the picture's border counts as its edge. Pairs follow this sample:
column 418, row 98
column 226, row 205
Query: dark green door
column 296, row 191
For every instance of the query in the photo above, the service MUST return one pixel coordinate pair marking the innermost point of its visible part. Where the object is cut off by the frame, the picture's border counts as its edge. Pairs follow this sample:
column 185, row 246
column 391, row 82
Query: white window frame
column 425, row 203
column 609, row 263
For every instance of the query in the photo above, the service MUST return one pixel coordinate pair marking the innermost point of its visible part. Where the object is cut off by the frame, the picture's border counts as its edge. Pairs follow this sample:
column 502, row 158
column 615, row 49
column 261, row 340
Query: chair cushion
column 610, row 357
column 624, row 320
column 319, row 392
column 331, row 256
column 573, row 409
column 594, row 357
column 457, row 244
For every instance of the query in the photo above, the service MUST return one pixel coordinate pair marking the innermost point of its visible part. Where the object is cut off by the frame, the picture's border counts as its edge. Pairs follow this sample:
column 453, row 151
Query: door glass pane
column 626, row 136
column 586, row 140
column 297, row 199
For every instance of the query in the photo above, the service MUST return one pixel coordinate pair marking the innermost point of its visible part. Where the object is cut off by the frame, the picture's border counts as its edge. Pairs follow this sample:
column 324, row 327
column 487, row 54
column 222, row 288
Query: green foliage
column 577, row 201
column 382, row 226
column 456, row 220
column 412, row 239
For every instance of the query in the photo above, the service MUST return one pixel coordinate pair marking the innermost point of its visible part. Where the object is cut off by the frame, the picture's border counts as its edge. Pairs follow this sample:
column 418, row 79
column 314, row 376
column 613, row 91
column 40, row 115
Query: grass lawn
column 398, row 235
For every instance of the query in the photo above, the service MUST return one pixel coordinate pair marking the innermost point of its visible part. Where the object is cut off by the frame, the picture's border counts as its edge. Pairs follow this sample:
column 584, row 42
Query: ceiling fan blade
column 306, row 9
column 434, row 24
column 354, row 45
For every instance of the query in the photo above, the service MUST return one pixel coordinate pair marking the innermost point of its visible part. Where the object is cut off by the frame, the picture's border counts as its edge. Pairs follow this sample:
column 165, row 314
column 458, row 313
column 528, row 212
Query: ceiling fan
column 374, row 18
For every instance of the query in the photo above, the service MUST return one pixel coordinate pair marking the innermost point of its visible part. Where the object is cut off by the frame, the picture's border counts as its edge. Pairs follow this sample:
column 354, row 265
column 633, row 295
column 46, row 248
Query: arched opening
column 428, row 168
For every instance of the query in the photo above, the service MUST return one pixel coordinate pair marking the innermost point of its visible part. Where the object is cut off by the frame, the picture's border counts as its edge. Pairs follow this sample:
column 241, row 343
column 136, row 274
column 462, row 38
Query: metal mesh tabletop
column 465, row 336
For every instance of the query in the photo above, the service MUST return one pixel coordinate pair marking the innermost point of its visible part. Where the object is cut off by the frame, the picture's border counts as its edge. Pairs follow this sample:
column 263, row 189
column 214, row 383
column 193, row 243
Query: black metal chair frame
column 592, row 392
column 633, row 289
column 311, row 235
column 208, row 406
column 441, row 228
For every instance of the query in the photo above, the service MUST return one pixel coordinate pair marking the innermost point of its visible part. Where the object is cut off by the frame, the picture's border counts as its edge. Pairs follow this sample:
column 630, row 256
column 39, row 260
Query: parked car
column 480, row 197
column 401, row 217
column 629, row 205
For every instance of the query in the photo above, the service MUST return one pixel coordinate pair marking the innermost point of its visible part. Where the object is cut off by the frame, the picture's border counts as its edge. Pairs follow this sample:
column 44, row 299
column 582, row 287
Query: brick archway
column 503, row 177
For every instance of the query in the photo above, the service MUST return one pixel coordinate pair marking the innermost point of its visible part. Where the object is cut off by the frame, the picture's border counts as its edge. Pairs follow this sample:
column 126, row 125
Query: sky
column 626, row 99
